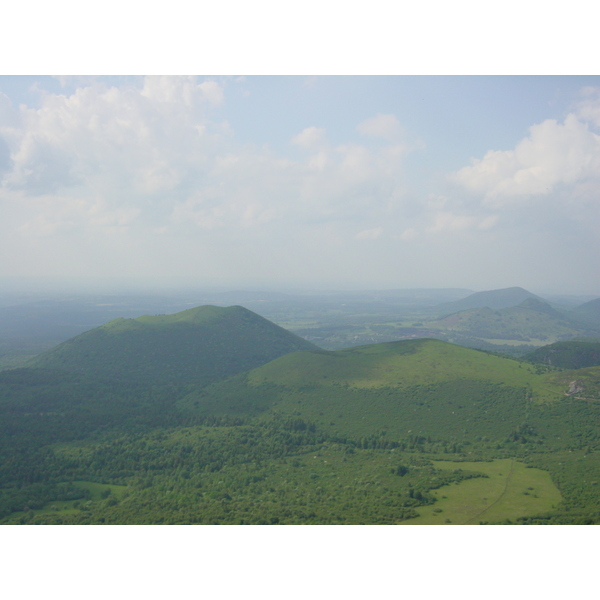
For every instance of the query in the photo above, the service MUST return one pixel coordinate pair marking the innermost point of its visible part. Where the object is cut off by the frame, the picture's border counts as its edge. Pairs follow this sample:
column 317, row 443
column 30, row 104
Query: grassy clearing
column 588, row 379
column 100, row 490
column 511, row 490
column 64, row 507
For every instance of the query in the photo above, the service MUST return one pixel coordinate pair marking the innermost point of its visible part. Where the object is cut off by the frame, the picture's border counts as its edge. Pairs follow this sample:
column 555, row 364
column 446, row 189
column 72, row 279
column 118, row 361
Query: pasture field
column 101, row 490
column 510, row 490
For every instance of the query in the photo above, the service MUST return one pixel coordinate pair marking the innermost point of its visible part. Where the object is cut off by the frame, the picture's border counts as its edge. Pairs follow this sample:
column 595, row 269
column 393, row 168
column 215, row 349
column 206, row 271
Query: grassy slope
column 400, row 364
column 416, row 387
column 585, row 382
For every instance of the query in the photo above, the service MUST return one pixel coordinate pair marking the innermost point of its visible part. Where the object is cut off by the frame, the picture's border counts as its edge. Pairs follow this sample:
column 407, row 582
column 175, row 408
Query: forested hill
column 567, row 355
column 199, row 345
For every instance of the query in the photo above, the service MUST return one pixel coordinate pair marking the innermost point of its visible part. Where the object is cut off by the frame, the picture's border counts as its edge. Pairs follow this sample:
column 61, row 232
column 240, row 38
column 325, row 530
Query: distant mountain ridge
column 532, row 319
column 198, row 345
column 494, row 299
column 588, row 313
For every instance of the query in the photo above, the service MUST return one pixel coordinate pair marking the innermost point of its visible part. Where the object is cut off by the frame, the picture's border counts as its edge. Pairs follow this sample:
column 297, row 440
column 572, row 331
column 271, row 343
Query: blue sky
column 341, row 182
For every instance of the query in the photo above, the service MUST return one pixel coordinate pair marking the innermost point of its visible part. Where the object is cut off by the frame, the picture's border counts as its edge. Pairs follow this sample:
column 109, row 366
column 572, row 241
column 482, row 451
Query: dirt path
column 508, row 478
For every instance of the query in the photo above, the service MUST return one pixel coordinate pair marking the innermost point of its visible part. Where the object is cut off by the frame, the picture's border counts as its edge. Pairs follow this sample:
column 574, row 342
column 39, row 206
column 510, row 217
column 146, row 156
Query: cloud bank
column 147, row 179
column 148, row 166
column 553, row 154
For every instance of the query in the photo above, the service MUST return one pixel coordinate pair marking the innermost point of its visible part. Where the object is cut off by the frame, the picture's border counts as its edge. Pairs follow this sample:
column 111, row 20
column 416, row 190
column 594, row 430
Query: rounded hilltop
column 201, row 344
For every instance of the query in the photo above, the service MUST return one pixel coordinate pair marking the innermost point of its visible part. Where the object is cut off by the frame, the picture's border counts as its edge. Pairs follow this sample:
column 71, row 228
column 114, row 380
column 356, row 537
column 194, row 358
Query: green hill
column 494, row 299
column 532, row 321
column 397, row 364
column 425, row 386
column 588, row 313
column 567, row 355
column 198, row 345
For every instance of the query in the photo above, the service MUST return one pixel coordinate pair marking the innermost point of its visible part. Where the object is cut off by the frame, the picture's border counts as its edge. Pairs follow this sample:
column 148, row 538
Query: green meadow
column 99, row 491
column 510, row 490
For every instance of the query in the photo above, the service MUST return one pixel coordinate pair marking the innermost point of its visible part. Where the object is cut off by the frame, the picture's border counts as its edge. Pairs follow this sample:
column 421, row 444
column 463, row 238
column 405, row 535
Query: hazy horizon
column 57, row 288
column 291, row 182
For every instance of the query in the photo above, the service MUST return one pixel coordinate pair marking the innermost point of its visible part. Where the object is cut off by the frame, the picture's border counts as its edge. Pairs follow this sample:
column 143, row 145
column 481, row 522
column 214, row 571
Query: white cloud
column 487, row 222
column 588, row 109
column 181, row 90
column 370, row 234
column 383, row 126
column 310, row 137
column 356, row 162
column 8, row 116
column 212, row 92
column 135, row 176
column 318, row 161
column 155, row 150
column 449, row 221
column 126, row 144
column 552, row 154
column 409, row 234
column 445, row 221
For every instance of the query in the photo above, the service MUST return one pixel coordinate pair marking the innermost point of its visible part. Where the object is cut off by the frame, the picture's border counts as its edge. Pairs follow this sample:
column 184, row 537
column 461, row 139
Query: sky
column 290, row 182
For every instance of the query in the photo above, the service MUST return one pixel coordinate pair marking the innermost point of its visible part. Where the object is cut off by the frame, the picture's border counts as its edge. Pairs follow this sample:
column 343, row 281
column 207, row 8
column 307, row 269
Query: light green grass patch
column 510, row 491
column 97, row 489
